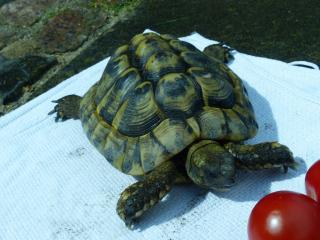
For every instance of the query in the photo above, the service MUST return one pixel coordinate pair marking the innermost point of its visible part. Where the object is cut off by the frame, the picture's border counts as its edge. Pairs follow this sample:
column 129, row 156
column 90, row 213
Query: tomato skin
column 285, row 215
column 312, row 181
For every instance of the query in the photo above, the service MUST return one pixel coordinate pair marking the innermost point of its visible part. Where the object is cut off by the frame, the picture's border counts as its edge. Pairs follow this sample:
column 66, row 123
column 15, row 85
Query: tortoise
column 170, row 113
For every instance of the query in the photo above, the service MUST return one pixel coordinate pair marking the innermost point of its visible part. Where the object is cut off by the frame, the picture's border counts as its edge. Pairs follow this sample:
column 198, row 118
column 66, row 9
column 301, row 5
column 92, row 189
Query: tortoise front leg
column 141, row 196
column 67, row 107
column 262, row 156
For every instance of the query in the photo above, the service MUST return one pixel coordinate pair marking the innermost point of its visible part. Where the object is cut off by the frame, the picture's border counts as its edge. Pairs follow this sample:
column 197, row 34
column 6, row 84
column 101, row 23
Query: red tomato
column 285, row 215
column 313, row 181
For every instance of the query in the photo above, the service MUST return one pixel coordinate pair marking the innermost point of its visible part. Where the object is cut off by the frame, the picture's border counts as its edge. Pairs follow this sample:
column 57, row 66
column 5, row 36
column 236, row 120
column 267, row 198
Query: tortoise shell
column 158, row 95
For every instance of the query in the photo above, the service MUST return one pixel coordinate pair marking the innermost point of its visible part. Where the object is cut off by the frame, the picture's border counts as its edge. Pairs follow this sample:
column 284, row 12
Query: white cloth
column 55, row 185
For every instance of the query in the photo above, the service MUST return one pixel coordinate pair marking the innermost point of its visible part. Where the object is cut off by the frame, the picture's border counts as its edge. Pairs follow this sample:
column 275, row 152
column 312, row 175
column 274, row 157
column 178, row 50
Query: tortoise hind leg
column 219, row 52
column 67, row 107
column 142, row 195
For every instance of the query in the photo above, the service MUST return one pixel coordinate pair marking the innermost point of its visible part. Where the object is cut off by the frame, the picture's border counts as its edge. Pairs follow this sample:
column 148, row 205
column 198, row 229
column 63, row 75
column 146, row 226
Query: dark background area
column 286, row 30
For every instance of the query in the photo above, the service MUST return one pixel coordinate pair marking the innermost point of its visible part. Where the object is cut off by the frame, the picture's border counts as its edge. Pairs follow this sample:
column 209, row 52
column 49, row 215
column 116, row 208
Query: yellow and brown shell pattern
column 157, row 95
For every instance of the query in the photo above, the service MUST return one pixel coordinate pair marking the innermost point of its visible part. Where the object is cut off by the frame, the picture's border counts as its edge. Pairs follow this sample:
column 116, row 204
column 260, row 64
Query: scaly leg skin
column 142, row 195
column 262, row 156
column 67, row 108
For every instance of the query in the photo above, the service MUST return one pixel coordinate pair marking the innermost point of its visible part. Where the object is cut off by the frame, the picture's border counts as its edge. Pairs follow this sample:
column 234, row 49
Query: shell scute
column 120, row 91
column 215, row 90
column 182, row 46
column 162, row 63
column 139, row 114
column 178, row 95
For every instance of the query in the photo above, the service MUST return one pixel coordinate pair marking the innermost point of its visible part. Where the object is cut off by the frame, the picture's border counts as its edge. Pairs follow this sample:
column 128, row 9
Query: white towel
column 55, row 185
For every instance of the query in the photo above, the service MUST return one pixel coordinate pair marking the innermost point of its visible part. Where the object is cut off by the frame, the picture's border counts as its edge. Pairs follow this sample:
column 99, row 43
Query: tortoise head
column 210, row 165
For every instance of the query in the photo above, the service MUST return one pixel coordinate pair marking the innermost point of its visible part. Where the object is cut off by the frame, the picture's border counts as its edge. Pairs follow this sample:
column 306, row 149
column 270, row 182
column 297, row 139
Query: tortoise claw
column 294, row 166
column 56, row 109
column 52, row 112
